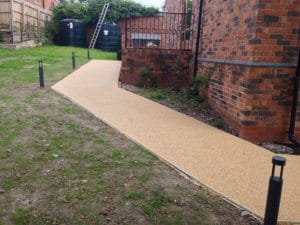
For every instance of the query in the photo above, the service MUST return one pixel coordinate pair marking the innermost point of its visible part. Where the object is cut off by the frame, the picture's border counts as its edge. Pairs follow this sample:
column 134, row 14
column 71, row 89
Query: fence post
column 41, row 74
column 12, row 21
column 274, row 193
column 73, row 60
column 38, row 20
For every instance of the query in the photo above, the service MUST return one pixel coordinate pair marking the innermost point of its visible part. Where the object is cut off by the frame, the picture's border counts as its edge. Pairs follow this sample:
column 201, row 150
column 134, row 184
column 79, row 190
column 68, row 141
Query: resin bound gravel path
column 232, row 167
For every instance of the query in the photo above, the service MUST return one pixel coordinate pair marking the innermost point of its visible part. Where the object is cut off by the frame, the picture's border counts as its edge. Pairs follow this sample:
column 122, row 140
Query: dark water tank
column 72, row 32
column 109, row 38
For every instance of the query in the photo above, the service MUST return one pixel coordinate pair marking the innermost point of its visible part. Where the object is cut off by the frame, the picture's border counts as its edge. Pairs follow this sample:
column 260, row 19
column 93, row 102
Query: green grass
column 55, row 59
column 61, row 165
column 205, row 199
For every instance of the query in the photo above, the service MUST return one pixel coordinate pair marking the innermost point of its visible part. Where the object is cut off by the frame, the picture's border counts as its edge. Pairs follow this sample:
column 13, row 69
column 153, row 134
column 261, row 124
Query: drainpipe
column 292, row 137
column 198, row 38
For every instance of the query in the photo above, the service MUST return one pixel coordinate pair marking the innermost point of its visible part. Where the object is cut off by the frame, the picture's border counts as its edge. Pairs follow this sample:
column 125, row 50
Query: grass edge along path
column 61, row 165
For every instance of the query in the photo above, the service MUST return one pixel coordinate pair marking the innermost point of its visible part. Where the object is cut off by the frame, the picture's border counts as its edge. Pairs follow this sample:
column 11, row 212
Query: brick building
column 248, row 50
column 45, row 4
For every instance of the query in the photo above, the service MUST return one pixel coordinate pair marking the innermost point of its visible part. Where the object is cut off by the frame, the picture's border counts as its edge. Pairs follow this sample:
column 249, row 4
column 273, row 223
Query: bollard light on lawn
column 88, row 54
column 41, row 74
column 274, row 193
column 73, row 60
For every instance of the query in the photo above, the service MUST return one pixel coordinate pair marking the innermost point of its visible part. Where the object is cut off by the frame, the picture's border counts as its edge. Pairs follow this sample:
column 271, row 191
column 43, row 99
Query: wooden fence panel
column 5, row 14
column 24, row 20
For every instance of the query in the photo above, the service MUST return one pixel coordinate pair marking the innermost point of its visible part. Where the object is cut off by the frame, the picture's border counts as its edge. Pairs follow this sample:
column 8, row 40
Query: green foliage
column 219, row 123
column 88, row 12
column 146, row 72
column 51, row 31
column 192, row 92
column 199, row 99
column 197, row 83
column 71, row 10
column 158, row 95
column 118, row 10
column 147, row 79
column 178, row 68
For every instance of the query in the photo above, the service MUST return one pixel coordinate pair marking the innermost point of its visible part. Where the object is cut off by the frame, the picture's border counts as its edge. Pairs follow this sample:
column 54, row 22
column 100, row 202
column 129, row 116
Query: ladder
column 99, row 25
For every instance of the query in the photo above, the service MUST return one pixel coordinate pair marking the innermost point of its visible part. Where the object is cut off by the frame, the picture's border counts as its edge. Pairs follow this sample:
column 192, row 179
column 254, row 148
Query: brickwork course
column 248, row 51
column 166, row 67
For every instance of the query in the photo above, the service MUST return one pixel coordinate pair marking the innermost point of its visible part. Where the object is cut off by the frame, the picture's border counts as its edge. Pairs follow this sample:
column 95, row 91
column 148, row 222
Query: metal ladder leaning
column 99, row 25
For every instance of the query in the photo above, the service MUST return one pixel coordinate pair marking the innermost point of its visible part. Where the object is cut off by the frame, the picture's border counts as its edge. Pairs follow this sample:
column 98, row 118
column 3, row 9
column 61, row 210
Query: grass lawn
column 61, row 165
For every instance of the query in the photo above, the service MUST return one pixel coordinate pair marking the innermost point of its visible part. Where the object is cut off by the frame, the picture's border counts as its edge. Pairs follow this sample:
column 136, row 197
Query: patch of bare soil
column 203, row 112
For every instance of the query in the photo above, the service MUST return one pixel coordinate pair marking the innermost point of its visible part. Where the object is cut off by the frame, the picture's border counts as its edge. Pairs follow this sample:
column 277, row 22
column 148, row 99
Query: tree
column 71, row 10
column 88, row 11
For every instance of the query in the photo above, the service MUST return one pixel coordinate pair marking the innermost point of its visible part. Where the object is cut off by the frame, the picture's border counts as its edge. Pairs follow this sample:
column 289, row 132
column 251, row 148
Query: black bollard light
column 73, row 60
column 41, row 74
column 274, row 194
column 88, row 54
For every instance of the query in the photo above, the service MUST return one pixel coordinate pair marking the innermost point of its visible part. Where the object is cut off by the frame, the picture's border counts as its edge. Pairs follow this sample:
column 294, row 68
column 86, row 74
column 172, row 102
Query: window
column 145, row 40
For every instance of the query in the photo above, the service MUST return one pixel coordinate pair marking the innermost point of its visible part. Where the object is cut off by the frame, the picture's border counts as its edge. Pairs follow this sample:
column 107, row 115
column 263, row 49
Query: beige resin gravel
column 235, row 168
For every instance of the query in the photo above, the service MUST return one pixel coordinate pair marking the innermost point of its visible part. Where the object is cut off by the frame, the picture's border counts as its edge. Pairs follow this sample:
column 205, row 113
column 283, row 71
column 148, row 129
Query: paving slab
column 230, row 166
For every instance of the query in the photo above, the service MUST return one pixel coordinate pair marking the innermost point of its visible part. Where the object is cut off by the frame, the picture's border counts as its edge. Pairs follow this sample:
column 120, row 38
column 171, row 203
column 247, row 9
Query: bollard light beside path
column 73, row 60
column 274, row 193
column 41, row 74
column 88, row 54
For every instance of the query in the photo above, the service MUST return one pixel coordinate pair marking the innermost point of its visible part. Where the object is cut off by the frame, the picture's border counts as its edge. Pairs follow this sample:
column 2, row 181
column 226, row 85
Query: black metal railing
column 164, row 31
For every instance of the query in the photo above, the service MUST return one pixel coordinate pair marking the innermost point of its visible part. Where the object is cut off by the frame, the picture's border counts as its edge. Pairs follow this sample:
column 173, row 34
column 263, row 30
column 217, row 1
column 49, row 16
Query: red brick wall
column 163, row 64
column 170, row 27
column 239, row 42
column 163, row 60
column 169, row 65
column 44, row 4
